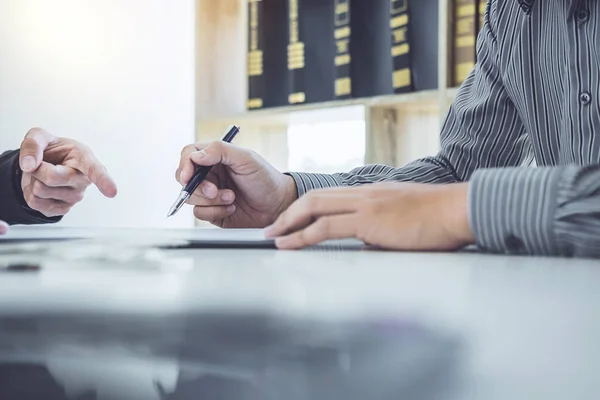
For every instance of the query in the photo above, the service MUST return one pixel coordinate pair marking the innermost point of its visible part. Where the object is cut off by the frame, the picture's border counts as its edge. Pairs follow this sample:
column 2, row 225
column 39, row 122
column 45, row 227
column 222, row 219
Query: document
column 183, row 237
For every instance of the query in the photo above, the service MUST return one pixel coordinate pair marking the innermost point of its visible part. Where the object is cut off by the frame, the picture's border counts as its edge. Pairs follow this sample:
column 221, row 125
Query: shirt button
column 585, row 98
column 583, row 15
column 514, row 244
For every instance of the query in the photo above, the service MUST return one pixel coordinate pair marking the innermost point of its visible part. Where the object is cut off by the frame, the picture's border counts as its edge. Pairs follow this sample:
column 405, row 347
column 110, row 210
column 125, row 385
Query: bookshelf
column 395, row 124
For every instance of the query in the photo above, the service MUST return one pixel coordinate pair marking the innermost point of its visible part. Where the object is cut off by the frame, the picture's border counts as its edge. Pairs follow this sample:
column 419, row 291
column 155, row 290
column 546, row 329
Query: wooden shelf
column 332, row 110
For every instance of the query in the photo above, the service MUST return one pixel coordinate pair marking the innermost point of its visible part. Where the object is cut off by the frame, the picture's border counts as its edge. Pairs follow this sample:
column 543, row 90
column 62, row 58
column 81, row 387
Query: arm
column 13, row 208
column 552, row 211
column 482, row 130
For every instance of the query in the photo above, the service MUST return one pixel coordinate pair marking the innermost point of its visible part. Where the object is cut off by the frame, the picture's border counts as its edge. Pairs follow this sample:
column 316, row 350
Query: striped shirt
column 523, row 129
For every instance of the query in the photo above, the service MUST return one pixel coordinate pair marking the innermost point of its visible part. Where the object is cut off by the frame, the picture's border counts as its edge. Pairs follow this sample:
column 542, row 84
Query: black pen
column 199, row 176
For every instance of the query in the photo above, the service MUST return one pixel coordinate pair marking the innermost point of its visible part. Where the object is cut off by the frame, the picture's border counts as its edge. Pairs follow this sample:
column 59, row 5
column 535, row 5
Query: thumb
column 3, row 227
column 218, row 152
column 32, row 149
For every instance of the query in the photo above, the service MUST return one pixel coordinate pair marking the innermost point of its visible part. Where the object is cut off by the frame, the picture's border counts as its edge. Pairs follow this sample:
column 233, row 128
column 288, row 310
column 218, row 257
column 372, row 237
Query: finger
column 312, row 205
column 219, row 152
column 325, row 228
column 60, row 176
column 186, row 166
column 178, row 176
column 3, row 227
column 32, row 149
column 48, row 207
column 213, row 213
column 223, row 197
column 207, row 189
column 89, row 165
column 66, row 194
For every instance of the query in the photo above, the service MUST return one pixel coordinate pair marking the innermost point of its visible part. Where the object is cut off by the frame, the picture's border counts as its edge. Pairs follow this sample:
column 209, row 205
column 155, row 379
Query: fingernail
column 28, row 163
column 269, row 230
column 3, row 227
column 230, row 209
column 208, row 191
column 227, row 197
column 183, row 178
column 200, row 154
column 282, row 242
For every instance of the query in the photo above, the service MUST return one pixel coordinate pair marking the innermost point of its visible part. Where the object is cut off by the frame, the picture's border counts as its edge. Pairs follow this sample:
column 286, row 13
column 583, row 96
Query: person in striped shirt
column 518, row 171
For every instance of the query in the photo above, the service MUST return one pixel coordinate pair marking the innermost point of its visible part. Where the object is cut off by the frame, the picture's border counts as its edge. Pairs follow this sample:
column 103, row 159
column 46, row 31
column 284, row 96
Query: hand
column 242, row 189
column 57, row 171
column 391, row 215
column 3, row 227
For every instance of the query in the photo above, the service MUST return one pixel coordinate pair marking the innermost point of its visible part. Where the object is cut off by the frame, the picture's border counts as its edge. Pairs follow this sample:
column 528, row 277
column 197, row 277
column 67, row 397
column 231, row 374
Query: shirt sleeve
column 549, row 211
column 13, row 208
column 482, row 130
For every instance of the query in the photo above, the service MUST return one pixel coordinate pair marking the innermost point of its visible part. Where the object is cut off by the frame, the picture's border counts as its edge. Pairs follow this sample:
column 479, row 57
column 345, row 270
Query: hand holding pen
column 199, row 175
column 241, row 189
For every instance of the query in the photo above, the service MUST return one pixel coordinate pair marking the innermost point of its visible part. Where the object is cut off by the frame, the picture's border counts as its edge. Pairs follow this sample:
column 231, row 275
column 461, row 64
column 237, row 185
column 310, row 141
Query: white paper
column 138, row 235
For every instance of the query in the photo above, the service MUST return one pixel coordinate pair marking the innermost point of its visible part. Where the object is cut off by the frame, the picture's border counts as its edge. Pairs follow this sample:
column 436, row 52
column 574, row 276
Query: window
column 327, row 146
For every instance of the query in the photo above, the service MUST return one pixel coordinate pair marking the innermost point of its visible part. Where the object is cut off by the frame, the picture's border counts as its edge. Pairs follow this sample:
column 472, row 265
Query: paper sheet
column 192, row 237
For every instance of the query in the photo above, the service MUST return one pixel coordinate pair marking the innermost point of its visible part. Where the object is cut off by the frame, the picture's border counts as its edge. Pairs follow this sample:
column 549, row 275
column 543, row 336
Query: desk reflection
column 223, row 355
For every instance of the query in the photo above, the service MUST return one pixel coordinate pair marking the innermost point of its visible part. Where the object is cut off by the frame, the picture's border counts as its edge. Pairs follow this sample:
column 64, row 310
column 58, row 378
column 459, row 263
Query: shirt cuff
column 10, row 207
column 13, row 208
column 512, row 210
column 306, row 182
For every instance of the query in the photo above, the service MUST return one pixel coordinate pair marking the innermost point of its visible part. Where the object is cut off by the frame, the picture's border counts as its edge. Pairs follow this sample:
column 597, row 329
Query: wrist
column 289, row 194
column 17, row 175
column 457, row 214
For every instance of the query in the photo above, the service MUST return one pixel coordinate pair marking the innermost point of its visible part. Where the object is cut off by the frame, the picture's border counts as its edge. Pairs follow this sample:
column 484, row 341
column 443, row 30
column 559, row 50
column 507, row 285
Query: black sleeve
column 13, row 208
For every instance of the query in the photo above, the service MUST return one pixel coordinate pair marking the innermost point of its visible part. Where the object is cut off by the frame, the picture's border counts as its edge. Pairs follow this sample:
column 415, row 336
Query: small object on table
column 22, row 267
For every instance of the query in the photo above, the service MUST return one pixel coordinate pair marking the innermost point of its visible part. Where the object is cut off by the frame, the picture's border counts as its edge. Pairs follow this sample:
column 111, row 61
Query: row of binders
column 311, row 51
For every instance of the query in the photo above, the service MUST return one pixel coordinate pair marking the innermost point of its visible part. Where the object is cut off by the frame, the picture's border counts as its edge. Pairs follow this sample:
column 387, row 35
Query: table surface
column 530, row 325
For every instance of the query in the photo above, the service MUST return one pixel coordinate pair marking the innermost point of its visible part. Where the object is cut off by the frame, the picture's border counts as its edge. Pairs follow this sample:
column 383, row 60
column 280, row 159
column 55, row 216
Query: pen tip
column 183, row 196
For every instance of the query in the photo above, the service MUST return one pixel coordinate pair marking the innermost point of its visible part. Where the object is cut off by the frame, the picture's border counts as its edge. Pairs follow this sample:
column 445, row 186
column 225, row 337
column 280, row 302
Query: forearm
column 427, row 170
column 550, row 211
column 13, row 208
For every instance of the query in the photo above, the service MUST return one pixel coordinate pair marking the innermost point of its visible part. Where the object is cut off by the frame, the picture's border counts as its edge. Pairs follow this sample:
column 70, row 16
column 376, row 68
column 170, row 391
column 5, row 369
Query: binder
column 339, row 49
column 256, row 86
column 399, row 20
column 423, row 32
column 370, row 48
column 311, row 51
column 267, row 72
column 343, row 38
column 464, row 38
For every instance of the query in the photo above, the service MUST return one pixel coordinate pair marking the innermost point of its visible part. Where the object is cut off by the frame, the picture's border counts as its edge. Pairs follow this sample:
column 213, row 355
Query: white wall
column 115, row 74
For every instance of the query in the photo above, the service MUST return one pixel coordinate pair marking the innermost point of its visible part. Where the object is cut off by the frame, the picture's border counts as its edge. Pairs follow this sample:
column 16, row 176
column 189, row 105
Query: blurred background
column 137, row 80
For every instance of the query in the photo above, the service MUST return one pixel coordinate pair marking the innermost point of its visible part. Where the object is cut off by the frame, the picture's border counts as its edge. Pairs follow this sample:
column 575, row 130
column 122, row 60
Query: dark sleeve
column 13, row 208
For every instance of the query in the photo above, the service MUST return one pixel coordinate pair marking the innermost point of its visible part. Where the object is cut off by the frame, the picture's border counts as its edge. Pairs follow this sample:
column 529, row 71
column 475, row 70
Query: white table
column 531, row 325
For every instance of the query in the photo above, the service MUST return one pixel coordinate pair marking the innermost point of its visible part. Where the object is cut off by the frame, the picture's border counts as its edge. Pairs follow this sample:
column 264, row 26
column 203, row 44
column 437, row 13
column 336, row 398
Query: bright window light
column 326, row 147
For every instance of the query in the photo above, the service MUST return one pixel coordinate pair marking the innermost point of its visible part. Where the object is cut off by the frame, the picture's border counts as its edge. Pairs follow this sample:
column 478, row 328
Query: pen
column 199, row 175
